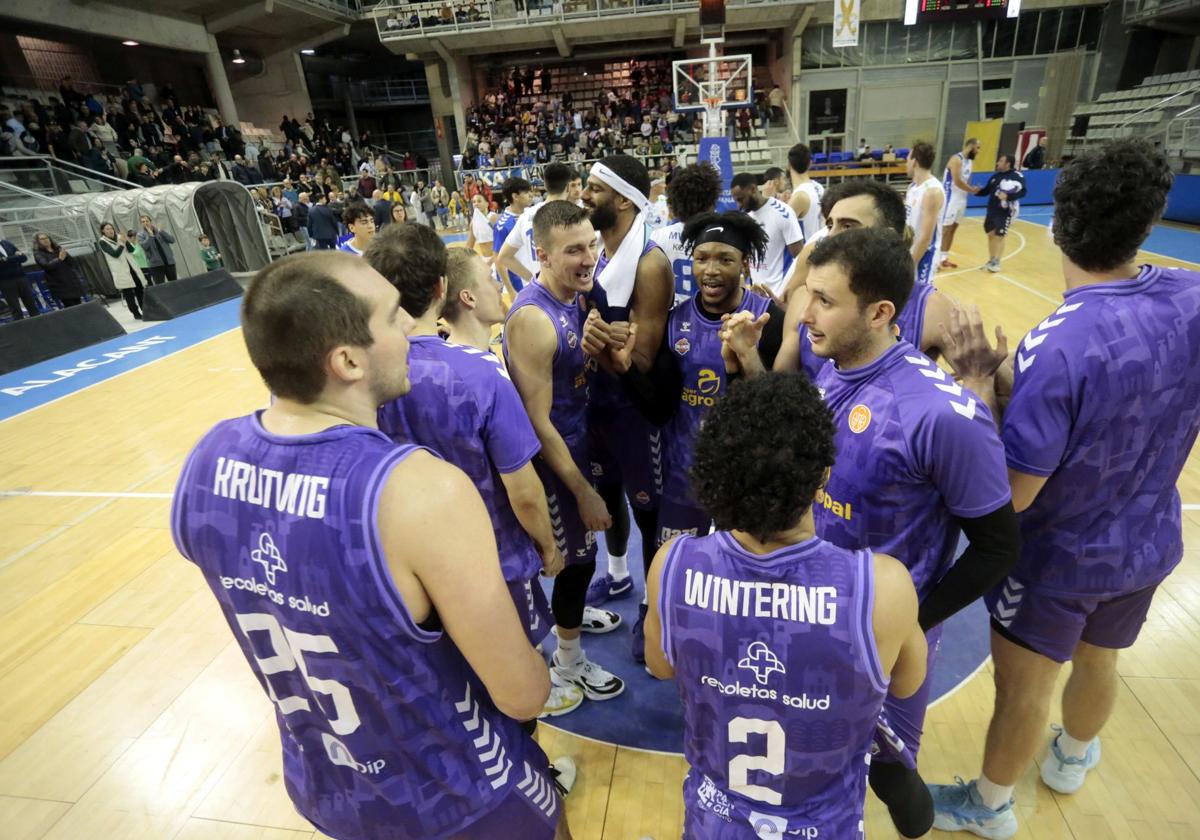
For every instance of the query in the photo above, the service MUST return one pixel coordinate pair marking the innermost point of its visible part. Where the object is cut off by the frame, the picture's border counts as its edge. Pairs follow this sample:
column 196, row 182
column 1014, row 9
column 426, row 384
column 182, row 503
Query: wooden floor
column 127, row 712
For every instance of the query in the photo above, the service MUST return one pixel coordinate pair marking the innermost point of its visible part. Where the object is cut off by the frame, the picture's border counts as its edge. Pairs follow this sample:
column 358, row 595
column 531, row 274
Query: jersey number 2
column 740, row 729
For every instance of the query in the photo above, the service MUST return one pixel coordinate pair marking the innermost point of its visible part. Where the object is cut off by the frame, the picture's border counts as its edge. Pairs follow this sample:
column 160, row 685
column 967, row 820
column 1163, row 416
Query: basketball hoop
column 713, row 84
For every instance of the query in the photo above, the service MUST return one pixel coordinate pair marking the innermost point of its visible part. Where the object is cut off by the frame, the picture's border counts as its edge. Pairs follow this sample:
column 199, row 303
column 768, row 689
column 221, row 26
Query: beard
column 971, row 155
column 603, row 218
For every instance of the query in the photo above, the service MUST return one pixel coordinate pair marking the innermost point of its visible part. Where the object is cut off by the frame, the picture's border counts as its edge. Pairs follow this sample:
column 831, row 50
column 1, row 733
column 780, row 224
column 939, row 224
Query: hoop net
column 712, row 84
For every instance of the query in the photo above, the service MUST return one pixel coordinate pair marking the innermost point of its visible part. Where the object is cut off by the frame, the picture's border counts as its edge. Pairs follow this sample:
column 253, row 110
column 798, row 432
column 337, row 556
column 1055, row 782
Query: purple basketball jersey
column 695, row 341
column 387, row 733
column 464, row 407
column 810, row 362
column 914, row 451
column 1106, row 404
column 776, row 664
column 911, row 320
column 572, row 368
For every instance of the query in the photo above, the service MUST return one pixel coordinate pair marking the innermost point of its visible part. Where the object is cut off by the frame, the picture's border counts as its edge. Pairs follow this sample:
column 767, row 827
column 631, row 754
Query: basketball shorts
column 530, row 811
column 956, row 209
column 626, row 449
column 1052, row 624
column 575, row 541
column 998, row 222
column 532, row 608
column 898, row 738
column 927, row 267
column 709, row 813
column 676, row 518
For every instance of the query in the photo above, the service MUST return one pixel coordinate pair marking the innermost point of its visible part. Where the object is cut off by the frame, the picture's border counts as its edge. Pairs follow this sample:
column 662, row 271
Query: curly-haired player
column 691, row 191
column 1104, row 409
column 778, row 744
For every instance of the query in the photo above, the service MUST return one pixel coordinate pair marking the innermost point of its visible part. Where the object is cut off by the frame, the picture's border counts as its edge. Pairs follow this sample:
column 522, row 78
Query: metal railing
column 25, row 213
column 1183, row 133
column 48, row 85
column 1140, row 11
column 57, row 177
column 1157, row 106
column 387, row 91
column 399, row 21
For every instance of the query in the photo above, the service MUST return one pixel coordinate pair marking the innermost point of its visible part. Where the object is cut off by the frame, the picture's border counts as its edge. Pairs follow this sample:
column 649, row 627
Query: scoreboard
column 929, row 11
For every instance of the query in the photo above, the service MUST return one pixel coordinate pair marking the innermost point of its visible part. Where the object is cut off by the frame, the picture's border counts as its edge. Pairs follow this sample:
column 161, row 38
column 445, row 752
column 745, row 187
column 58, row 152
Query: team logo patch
column 762, row 661
column 643, row 498
column 685, row 327
column 572, row 339
column 682, row 346
column 860, row 418
column 708, row 381
column 268, row 556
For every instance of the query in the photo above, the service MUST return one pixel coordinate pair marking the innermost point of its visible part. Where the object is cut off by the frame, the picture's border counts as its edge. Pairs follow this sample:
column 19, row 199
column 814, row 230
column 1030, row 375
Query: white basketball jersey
column 812, row 221
column 953, row 193
column 670, row 238
column 914, row 201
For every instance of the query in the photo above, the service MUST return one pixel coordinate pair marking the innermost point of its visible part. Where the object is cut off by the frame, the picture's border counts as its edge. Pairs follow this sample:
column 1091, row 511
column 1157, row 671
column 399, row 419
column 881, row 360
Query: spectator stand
column 843, row 165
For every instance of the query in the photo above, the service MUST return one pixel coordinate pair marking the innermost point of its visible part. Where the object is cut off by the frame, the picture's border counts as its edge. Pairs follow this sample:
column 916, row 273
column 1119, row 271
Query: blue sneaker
column 1063, row 773
column 958, row 807
column 639, row 636
column 604, row 588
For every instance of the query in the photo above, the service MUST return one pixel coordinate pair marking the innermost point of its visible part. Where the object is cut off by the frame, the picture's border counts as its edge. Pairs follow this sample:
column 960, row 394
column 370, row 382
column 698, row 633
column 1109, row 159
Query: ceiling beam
column 680, row 31
column 315, row 40
column 560, row 41
column 237, row 17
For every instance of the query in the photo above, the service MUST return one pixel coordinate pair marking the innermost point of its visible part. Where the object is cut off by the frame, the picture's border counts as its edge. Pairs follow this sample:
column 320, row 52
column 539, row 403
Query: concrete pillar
column 351, row 121
column 218, row 83
column 279, row 89
column 450, row 95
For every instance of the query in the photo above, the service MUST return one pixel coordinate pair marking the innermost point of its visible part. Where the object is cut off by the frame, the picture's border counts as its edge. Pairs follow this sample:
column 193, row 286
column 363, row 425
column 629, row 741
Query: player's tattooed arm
column 653, row 295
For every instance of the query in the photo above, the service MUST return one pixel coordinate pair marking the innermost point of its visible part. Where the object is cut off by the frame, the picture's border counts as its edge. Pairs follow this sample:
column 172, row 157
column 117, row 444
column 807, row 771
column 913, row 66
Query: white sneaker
column 562, row 699
column 1063, row 773
column 564, row 771
column 590, row 678
column 596, row 620
column 993, row 266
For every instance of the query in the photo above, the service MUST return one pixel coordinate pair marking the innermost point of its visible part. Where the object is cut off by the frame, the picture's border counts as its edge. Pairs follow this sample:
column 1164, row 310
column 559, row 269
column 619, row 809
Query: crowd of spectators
column 128, row 136
column 437, row 14
column 523, row 121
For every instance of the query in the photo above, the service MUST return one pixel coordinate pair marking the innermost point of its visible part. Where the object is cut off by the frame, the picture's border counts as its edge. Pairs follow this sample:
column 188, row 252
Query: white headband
column 599, row 170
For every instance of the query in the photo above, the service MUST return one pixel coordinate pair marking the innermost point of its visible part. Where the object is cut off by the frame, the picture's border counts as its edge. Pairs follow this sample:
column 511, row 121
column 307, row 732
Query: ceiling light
column 309, row 51
column 130, row 43
column 237, row 57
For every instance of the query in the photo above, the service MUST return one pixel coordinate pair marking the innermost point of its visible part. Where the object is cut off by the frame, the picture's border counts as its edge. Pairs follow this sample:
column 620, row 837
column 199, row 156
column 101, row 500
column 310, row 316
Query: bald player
column 956, row 184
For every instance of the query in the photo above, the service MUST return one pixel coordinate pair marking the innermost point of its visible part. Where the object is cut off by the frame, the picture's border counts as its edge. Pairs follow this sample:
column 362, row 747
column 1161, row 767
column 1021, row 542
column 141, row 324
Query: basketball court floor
column 128, row 713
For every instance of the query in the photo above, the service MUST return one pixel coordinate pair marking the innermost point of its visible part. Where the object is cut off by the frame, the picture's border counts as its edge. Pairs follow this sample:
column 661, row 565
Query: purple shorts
column 902, row 722
column 576, row 542
column 532, row 608
column 530, row 811
column 1052, row 624
column 626, row 448
column 676, row 518
column 709, row 813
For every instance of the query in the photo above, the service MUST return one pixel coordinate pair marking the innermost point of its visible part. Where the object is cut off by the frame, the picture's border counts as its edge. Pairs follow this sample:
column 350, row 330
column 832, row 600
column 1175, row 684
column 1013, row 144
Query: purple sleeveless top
column 695, row 341
column 387, row 733
column 573, row 370
column 776, row 664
